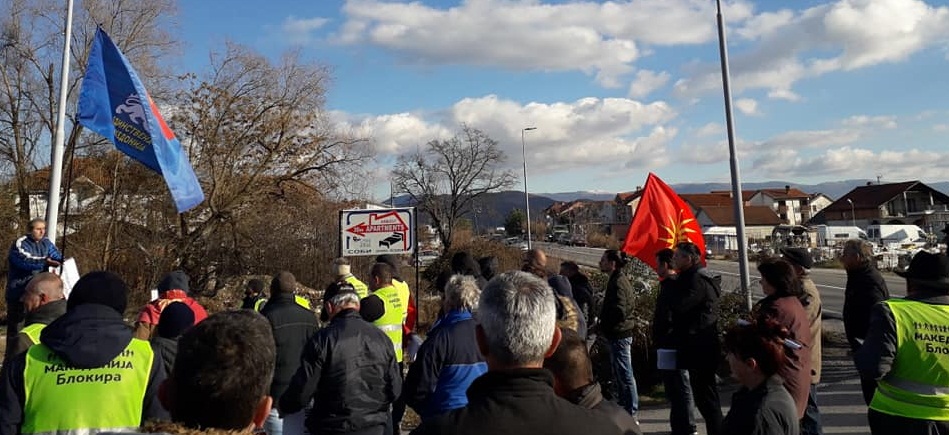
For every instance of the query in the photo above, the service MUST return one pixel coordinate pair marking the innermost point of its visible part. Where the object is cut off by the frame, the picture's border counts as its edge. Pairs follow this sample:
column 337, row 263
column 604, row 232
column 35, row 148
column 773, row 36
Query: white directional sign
column 377, row 231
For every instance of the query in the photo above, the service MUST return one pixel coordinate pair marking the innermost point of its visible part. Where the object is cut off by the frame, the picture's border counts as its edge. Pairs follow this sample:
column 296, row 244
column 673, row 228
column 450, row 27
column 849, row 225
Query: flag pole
column 733, row 161
column 56, row 162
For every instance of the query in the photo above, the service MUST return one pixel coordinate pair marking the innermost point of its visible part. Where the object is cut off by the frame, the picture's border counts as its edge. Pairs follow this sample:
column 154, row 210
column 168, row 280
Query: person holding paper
column 29, row 255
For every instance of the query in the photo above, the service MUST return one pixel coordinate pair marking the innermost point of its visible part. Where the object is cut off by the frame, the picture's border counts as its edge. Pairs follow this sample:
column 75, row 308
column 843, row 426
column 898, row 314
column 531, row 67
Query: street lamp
column 527, row 200
column 853, row 217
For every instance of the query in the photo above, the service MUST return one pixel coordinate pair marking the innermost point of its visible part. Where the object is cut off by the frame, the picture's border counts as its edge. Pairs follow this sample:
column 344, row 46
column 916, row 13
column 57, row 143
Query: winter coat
column 568, row 312
column 148, row 317
column 583, row 294
column 517, row 402
column 662, row 315
column 788, row 312
column 814, row 310
column 695, row 317
column 765, row 410
column 292, row 327
column 591, row 397
column 45, row 315
column 349, row 370
column 27, row 257
column 167, row 348
column 865, row 287
column 446, row 365
column 617, row 316
column 87, row 336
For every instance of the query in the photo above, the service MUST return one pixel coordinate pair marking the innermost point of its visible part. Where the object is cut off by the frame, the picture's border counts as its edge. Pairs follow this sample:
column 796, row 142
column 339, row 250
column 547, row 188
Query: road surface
column 830, row 282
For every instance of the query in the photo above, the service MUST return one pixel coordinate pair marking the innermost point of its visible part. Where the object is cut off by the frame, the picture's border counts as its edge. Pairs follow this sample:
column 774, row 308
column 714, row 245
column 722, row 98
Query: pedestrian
column 292, row 326
column 695, row 328
column 573, row 380
column 664, row 335
column 802, row 262
column 617, row 324
column 220, row 378
column 761, row 406
column 29, row 255
column 87, row 361
column 44, row 302
column 173, row 287
column 174, row 321
column 905, row 352
column 448, row 360
column 782, row 306
column 254, row 297
column 568, row 312
column 582, row 290
column 865, row 288
column 517, row 329
column 348, row 369
column 490, row 267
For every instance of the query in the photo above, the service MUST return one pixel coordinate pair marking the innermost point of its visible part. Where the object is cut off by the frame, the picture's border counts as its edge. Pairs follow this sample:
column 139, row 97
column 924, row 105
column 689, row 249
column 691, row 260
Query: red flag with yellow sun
column 662, row 220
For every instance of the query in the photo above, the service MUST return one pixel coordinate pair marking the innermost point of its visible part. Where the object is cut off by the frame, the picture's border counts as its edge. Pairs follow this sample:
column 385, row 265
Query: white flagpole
column 56, row 164
column 733, row 160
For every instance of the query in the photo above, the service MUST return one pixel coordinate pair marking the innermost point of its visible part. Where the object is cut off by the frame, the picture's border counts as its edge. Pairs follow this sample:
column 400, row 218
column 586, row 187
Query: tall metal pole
column 733, row 161
column 56, row 163
column 853, row 215
column 527, row 199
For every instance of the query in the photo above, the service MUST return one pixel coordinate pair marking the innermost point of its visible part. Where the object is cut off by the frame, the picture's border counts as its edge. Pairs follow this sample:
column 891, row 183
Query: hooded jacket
column 45, row 315
column 87, row 336
column 27, row 257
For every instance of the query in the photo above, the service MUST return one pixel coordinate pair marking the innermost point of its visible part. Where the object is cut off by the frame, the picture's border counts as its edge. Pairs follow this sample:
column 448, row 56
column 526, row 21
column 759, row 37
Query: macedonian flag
column 662, row 220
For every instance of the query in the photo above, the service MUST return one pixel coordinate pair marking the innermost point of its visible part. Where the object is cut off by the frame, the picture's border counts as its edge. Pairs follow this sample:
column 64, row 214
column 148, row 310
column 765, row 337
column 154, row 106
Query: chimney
column 787, row 189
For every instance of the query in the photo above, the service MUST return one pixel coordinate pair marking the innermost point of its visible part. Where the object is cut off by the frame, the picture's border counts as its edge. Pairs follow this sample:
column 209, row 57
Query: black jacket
column 766, row 410
column 350, row 372
column 865, row 287
column 617, row 317
column 583, row 294
column 292, row 326
column 45, row 315
column 516, row 402
column 88, row 336
column 662, row 316
column 591, row 397
column 167, row 348
column 695, row 316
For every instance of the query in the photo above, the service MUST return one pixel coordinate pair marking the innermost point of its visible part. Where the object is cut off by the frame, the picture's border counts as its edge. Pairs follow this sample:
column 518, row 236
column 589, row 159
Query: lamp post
column 527, row 199
column 853, row 217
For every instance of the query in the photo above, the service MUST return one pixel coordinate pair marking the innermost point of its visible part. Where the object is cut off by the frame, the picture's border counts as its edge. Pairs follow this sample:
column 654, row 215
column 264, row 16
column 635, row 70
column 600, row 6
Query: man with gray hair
column 349, row 371
column 516, row 330
column 449, row 360
column 864, row 289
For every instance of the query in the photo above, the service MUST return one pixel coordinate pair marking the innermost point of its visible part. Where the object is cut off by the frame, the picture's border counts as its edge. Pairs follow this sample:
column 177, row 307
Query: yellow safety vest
column 62, row 400
column 361, row 289
column 33, row 331
column 391, row 321
column 918, row 385
column 259, row 305
column 402, row 288
column 302, row 301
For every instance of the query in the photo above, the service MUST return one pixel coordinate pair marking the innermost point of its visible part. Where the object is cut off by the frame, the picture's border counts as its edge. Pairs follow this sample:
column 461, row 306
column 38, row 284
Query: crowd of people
column 508, row 353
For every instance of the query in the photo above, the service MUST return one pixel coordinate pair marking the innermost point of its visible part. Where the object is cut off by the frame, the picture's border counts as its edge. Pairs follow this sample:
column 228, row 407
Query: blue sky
column 823, row 90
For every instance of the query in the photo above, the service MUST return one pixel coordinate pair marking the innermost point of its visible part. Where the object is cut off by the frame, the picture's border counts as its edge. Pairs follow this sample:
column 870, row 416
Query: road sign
column 377, row 231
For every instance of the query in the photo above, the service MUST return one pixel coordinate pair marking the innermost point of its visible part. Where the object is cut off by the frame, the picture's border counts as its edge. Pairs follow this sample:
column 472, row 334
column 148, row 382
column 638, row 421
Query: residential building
column 909, row 202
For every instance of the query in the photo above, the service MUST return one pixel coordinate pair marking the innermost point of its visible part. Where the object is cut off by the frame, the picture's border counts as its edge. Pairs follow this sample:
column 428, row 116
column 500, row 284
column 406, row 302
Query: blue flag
column 114, row 103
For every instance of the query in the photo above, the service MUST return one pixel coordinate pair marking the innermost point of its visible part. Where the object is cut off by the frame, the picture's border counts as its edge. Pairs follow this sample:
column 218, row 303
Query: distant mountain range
column 492, row 208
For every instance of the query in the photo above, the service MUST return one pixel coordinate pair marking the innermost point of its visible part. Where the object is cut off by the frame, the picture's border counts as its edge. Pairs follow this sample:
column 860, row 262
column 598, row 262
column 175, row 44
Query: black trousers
column 705, row 394
column 885, row 424
column 398, row 407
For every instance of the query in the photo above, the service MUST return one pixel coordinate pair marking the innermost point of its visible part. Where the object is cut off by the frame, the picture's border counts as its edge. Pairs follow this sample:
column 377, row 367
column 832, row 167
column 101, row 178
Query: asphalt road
column 830, row 282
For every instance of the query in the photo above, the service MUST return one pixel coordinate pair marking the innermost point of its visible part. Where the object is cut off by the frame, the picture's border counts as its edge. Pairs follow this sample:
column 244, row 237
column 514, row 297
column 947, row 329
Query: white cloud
column 299, row 31
column 590, row 132
column 600, row 39
column 941, row 127
column 646, row 82
column 710, row 129
column 851, row 162
column 841, row 36
column 887, row 122
column 747, row 106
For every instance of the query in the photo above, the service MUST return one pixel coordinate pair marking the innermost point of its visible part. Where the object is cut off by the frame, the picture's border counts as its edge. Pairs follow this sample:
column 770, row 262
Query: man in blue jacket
column 29, row 255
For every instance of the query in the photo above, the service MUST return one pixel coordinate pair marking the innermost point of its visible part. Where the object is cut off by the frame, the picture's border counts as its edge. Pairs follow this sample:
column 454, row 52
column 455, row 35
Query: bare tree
column 30, row 55
column 449, row 175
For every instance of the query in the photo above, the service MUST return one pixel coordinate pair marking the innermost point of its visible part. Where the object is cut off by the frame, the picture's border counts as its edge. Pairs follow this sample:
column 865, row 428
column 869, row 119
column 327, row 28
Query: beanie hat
column 174, row 320
column 371, row 308
column 100, row 287
column 177, row 280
